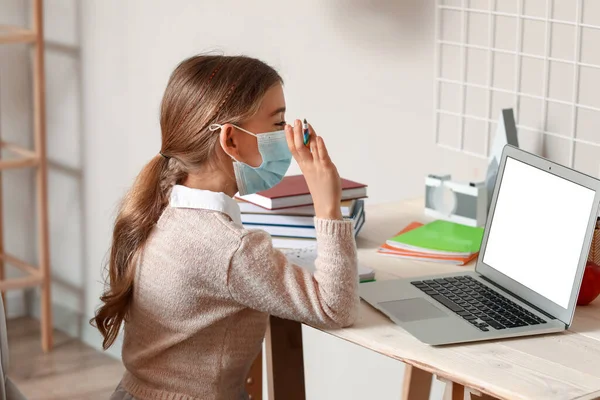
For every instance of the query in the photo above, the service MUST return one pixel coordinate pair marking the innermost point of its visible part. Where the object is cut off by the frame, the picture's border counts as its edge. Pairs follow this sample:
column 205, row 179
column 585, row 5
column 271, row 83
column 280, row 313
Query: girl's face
column 270, row 117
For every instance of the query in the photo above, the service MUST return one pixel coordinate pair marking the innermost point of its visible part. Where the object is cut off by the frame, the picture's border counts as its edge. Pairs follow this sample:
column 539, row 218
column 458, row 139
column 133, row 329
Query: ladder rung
column 24, row 157
column 19, row 283
column 22, row 162
column 15, row 148
column 22, row 265
column 15, row 34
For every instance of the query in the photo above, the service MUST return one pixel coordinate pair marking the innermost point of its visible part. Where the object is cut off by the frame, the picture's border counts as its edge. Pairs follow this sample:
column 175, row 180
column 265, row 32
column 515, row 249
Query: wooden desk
column 561, row 366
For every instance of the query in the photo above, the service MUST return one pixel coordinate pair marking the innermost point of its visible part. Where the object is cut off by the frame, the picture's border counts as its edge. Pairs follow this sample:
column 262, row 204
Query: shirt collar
column 185, row 197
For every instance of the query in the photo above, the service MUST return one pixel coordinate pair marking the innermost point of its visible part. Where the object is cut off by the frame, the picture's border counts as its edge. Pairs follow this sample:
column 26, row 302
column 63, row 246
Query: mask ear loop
column 216, row 127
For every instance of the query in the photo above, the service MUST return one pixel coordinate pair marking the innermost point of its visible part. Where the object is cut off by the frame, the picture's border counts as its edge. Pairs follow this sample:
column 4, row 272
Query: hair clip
column 214, row 72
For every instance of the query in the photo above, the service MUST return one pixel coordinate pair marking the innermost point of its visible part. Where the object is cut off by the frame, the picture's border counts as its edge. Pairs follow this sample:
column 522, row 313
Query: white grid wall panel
column 539, row 57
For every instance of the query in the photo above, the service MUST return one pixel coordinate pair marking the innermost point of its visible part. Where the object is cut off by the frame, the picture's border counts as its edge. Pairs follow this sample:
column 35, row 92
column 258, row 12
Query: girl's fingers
column 322, row 149
column 314, row 149
column 313, row 135
column 289, row 136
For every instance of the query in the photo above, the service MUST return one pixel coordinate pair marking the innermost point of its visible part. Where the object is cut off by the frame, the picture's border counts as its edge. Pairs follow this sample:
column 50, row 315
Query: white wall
column 16, row 126
column 65, row 177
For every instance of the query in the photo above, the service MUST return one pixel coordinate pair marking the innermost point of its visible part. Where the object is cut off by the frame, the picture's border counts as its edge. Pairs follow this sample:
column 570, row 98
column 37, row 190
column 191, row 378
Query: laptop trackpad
column 408, row 310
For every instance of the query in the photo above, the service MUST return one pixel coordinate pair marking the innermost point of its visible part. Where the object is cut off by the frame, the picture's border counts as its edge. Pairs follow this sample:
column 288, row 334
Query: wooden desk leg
column 285, row 361
column 458, row 391
column 417, row 384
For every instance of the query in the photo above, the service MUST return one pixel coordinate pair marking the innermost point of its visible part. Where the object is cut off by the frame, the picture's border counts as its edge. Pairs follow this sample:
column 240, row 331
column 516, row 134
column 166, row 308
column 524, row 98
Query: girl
column 191, row 286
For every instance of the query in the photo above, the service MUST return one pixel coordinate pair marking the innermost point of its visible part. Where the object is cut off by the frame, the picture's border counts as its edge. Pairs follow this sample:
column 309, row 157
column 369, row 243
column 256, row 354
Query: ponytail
column 137, row 216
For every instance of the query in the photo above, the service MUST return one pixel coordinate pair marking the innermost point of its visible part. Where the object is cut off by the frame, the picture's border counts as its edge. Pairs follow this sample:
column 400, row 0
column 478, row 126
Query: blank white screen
column 538, row 229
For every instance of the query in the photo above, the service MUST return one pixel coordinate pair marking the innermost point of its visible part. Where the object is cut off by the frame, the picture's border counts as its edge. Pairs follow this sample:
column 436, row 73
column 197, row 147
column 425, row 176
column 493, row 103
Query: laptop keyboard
column 477, row 303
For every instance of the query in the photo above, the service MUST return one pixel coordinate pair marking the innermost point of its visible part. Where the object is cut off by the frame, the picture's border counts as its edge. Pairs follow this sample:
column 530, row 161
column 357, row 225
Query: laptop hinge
column 536, row 308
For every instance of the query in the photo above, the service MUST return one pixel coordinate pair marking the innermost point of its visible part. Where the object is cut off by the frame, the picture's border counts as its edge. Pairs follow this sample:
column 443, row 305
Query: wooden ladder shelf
column 13, row 156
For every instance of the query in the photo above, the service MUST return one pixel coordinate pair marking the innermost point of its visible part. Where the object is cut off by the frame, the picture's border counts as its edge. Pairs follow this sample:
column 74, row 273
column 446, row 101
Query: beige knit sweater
column 204, row 289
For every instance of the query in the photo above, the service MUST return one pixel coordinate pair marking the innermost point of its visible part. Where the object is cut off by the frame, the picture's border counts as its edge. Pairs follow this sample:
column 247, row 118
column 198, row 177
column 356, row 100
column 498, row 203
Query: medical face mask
column 276, row 159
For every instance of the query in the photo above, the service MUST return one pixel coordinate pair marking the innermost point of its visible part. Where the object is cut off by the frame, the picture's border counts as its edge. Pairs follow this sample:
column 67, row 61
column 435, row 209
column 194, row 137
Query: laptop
column 530, row 266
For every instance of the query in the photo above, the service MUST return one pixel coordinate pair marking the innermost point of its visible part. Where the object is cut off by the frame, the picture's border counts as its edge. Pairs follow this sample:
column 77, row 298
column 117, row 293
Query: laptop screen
column 538, row 229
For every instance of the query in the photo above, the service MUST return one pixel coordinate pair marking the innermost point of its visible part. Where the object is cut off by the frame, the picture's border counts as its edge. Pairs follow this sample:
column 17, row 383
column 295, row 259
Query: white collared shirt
column 185, row 197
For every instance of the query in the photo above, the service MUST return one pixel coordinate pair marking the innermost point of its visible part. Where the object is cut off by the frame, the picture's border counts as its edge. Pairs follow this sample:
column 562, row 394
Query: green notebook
column 440, row 237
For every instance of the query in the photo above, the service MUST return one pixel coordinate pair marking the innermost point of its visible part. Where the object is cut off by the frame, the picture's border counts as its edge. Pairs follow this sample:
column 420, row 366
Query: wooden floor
column 72, row 371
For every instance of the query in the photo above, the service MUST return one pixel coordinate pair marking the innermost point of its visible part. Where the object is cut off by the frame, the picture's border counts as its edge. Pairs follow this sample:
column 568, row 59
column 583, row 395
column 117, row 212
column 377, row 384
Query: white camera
column 463, row 203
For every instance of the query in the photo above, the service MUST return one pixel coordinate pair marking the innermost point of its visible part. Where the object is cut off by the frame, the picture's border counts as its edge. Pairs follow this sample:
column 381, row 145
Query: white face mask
column 276, row 160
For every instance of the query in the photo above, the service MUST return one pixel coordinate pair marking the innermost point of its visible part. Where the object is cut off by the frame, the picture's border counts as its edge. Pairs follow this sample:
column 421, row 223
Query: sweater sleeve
column 261, row 277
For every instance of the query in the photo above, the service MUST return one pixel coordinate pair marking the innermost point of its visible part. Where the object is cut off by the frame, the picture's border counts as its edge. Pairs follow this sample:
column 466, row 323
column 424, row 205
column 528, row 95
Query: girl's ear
column 229, row 142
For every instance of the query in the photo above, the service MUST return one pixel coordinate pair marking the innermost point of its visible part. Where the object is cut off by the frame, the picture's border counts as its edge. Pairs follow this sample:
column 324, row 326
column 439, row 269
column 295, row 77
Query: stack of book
column 287, row 213
column 438, row 241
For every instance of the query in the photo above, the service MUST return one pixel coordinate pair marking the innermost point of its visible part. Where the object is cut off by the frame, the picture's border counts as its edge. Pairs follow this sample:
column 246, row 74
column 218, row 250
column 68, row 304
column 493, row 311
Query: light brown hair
column 203, row 90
